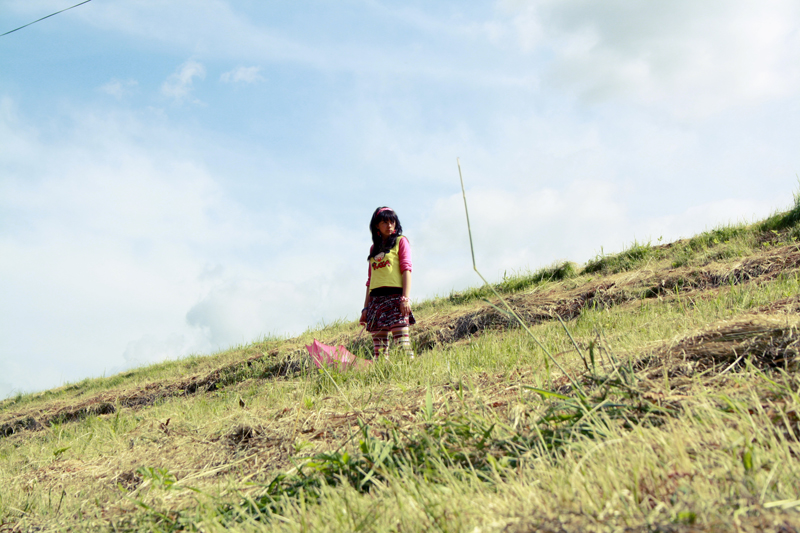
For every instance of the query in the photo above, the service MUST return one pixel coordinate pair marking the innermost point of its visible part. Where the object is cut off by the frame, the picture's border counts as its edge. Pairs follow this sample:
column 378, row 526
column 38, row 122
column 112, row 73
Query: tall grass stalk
column 508, row 309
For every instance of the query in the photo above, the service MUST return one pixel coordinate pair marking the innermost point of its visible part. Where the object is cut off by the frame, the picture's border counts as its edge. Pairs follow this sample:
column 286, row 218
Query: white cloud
column 211, row 28
column 217, row 29
column 694, row 58
column 151, row 349
column 119, row 88
column 708, row 216
column 7, row 388
column 528, row 228
column 111, row 226
column 125, row 250
column 242, row 75
column 180, row 83
column 241, row 310
column 558, row 184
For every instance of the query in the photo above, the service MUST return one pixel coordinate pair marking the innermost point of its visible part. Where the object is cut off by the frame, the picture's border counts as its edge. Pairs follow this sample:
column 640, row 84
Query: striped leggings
column 380, row 341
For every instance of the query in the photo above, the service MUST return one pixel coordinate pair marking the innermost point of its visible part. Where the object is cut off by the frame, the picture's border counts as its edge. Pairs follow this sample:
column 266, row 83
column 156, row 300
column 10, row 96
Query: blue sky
column 179, row 177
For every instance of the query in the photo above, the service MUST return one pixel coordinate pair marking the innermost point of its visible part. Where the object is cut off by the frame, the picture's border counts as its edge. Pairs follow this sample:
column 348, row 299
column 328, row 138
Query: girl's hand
column 363, row 319
column 405, row 306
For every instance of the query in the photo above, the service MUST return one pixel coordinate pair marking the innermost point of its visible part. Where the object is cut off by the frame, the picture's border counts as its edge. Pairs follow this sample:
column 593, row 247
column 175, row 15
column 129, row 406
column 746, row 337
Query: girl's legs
column 401, row 337
column 380, row 343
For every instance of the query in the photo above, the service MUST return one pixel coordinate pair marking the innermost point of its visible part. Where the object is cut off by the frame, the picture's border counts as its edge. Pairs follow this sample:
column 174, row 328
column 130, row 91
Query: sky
column 180, row 177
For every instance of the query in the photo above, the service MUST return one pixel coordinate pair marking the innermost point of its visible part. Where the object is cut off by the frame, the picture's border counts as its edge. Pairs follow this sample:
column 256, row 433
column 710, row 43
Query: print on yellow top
column 386, row 270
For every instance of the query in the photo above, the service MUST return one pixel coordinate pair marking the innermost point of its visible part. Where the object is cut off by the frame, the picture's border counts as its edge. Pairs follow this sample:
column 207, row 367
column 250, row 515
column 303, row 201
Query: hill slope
column 655, row 389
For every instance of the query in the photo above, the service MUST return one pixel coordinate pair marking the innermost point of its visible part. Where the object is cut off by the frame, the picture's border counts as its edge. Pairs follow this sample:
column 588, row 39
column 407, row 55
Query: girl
column 387, row 308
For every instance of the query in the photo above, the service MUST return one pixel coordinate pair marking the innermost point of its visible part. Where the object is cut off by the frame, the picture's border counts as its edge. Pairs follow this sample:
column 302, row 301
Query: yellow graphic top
column 385, row 269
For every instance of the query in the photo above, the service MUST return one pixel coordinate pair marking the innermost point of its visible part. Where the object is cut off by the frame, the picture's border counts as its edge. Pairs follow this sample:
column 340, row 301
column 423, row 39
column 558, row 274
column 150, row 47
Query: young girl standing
column 387, row 307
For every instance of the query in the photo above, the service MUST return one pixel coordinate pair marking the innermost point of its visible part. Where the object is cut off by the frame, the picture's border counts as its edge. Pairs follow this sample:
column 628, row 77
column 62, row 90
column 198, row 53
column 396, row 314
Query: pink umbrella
column 322, row 354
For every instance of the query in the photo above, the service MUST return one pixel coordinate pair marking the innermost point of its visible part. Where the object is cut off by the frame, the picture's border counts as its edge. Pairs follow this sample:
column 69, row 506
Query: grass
column 786, row 220
column 663, row 434
column 511, row 284
column 628, row 259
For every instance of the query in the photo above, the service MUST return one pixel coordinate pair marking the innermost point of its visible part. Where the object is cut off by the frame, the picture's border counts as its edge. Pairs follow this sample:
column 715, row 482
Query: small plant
column 301, row 445
column 516, row 283
column 623, row 261
column 715, row 237
column 160, row 478
column 785, row 220
column 58, row 452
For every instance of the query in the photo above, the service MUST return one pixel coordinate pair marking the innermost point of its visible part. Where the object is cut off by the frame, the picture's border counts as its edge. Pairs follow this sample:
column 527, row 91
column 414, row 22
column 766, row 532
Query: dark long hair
column 378, row 244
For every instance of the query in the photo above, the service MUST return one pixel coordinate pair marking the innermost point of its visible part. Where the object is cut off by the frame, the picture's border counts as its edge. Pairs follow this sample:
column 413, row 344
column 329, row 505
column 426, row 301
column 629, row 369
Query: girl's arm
column 405, row 304
column 363, row 319
column 404, row 253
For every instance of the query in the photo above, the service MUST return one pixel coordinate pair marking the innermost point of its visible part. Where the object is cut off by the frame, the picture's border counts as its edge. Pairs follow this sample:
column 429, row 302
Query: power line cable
column 47, row 17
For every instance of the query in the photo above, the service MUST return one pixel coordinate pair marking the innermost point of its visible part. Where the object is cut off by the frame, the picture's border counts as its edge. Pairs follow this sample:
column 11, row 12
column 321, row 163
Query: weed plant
column 629, row 259
column 510, row 284
column 782, row 221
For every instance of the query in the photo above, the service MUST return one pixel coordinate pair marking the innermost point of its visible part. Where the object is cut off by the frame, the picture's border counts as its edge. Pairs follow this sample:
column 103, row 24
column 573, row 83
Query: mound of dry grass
column 766, row 341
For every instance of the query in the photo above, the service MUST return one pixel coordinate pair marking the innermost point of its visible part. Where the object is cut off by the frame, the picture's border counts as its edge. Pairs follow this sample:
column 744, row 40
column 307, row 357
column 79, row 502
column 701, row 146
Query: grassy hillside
column 651, row 390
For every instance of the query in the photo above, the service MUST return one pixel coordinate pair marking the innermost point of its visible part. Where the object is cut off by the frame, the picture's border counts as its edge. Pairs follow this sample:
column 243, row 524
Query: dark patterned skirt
column 383, row 314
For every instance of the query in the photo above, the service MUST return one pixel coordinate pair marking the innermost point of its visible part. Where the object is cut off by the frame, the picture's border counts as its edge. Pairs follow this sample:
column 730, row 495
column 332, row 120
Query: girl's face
column 386, row 228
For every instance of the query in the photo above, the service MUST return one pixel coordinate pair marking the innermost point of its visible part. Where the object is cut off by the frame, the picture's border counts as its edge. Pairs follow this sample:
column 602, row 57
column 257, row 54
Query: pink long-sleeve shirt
column 403, row 254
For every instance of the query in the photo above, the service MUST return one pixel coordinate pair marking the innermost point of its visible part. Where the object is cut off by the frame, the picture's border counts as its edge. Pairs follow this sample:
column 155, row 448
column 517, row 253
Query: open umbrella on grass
column 337, row 356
